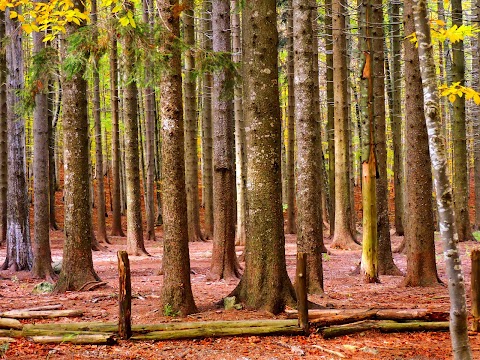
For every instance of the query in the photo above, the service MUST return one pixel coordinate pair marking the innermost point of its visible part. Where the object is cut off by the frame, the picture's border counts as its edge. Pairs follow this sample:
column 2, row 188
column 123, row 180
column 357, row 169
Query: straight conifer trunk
column 456, row 286
column 3, row 135
column 265, row 283
column 176, row 290
column 19, row 249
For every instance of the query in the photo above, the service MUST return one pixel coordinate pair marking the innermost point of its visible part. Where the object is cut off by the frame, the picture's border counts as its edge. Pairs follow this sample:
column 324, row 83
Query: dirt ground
column 341, row 291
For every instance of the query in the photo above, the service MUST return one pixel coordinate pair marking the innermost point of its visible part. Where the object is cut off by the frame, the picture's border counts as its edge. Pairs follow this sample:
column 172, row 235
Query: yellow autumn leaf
column 124, row 21
column 476, row 99
column 27, row 28
column 452, row 98
column 116, row 9
column 13, row 14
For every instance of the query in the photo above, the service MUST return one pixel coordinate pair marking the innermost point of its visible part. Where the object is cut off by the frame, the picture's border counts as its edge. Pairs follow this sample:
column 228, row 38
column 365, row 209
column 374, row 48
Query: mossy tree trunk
column 42, row 260
column 419, row 234
column 438, row 155
column 191, row 156
column 77, row 266
column 265, row 283
column 309, row 219
column 19, row 249
column 176, row 291
column 3, row 135
column 343, row 234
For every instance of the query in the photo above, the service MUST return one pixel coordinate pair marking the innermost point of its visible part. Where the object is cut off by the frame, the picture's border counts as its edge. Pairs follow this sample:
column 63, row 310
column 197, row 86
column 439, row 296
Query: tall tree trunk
column 396, row 118
column 150, row 121
column 240, row 155
column 419, row 232
column 135, row 242
column 224, row 259
column 476, row 127
column 310, row 224
column 369, row 263
column 437, row 145
column 291, row 225
column 101, row 231
column 19, row 249
column 343, row 234
column 177, row 290
column 265, row 283
column 386, row 266
column 114, row 99
column 191, row 156
column 330, row 113
column 77, row 266
column 3, row 135
column 42, row 260
column 207, row 137
column 459, row 133
column 53, row 115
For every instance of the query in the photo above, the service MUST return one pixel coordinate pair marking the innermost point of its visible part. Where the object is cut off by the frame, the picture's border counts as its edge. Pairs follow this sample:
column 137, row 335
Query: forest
column 242, row 161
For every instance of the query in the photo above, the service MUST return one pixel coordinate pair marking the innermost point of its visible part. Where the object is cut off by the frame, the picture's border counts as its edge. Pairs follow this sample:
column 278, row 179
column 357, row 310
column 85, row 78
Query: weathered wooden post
column 124, row 296
column 476, row 289
column 301, row 285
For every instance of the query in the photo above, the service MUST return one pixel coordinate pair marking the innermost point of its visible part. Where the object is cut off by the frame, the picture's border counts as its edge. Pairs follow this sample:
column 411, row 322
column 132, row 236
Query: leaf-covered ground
column 342, row 291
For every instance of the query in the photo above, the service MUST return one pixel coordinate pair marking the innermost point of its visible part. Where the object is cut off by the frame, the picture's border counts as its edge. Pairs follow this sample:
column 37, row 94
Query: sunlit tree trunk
column 459, row 133
column 42, row 260
column 476, row 127
column 77, row 265
column 224, row 259
column 265, row 283
column 343, row 234
column 419, row 232
column 135, row 242
column 456, row 286
column 309, row 221
column 176, row 291
column 19, row 249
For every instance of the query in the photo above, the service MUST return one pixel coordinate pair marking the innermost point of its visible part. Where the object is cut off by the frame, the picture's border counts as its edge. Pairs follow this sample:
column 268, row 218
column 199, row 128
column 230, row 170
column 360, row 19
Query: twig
column 331, row 352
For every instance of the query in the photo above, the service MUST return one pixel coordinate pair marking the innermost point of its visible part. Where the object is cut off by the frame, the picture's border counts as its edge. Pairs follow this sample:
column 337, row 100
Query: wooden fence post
column 301, row 285
column 476, row 289
column 124, row 296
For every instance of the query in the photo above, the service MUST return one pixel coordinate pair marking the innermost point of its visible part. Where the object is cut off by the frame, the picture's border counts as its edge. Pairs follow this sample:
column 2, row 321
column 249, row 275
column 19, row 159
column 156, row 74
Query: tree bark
column 176, row 291
column 3, row 136
column 309, row 190
column 343, row 234
column 19, row 250
column 438, row 156
column 42, row 260
column 77, row 265
column 135, row 242
column 476, row 126
column 224, row 259
column 53, row 115
column 419, row 234
column 265, row 283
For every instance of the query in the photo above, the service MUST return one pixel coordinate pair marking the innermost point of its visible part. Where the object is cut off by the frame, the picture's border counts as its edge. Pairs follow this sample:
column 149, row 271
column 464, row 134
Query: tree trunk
column 459, row 133
column 309, row 222
column 19, row 250
column 116, row 198
column 396, row 118
column 343, row 234
column 224, row 259
column 135, row 243
column 207, row 147
column 476, row 127
column 191, row 156
column 291, row 224
column 53, row 115
column 3, row 136
column 265, row 283
column 240, row 156
column 386, row 266
column 42, row 261
column 456, row 286
column 176, row 291
column 101, row 231
column 369, row 263
column 77, row 266
column 419, row 234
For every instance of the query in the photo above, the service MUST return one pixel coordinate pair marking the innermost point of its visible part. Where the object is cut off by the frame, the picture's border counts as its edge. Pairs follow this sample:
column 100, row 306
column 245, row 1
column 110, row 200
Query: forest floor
column 342, row 290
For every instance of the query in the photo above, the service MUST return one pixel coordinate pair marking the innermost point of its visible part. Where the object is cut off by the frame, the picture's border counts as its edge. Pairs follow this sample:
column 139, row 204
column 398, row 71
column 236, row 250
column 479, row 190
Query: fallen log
column 77, row 339
column 29, row 332
column 6, row 323
column 412, row 314
column 11, row 333
column 218, row 332
column 20, row 314
column 383, row 326
column 74, row 326
column 42, row 307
